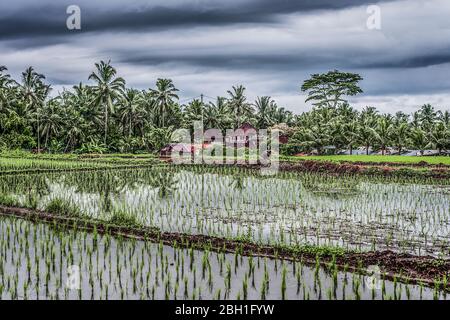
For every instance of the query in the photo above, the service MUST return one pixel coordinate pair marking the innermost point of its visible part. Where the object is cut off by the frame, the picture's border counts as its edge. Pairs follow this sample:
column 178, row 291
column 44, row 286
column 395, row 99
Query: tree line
column 107, row 116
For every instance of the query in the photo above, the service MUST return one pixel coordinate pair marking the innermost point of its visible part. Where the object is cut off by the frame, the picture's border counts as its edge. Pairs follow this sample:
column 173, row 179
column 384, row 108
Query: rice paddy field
column 327, row 217
column 435, row 160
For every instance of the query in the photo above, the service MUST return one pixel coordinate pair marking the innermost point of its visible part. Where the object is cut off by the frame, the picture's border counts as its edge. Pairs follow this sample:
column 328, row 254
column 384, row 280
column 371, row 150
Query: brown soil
column 403, row 267
column 345, row 168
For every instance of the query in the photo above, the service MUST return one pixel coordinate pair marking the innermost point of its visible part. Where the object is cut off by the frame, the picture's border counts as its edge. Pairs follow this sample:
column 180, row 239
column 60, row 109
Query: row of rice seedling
column 25, row 164
column 29, row 163
column 352, row 212
column 39, row 261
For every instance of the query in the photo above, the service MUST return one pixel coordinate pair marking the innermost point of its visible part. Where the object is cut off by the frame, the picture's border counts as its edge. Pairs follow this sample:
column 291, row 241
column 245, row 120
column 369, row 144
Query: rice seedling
column 308, row 212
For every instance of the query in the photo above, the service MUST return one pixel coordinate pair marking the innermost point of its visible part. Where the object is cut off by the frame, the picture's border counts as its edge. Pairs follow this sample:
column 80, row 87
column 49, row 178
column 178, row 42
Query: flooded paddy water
column 352, row 212
column 41, row 262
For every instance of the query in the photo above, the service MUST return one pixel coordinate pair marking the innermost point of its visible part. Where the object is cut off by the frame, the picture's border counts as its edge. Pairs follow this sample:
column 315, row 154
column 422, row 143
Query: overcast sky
column 269, row 46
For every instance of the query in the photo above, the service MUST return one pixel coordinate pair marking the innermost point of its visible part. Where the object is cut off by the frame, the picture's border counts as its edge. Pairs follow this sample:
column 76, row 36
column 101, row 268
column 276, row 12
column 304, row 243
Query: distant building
column 179, row 148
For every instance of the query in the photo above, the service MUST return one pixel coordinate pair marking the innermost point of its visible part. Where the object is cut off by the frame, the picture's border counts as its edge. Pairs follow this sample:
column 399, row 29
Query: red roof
column 246, row 126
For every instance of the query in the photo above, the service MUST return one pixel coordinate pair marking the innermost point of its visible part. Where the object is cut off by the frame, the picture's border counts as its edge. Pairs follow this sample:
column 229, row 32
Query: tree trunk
column 367, row 149
column 67, row 146
column 129, row 133
column 351, row 149
column 46, row 139
column 106, row 121
column 38, row 134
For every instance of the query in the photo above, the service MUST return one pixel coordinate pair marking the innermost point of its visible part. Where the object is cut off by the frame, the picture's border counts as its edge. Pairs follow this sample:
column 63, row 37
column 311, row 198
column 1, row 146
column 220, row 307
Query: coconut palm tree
column 314, row 137
column 281, row 115
column 400, row 135
column 382, row 133
column 193, row 111
column 418, row 139
column 34, row 91
column 129, row 109
column 265, row 111
column 239, row 106
column 350, row 134
column 222, row 112
column 6, row 95
column 427, row 116
column 439, row 137
column 51, row 121
column 365, row 136
column 445, row 117
column 164, row 96
column 107, row 89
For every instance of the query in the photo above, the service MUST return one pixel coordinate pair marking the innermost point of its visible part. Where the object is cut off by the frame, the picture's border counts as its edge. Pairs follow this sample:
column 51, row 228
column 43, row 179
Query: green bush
column 290, row 149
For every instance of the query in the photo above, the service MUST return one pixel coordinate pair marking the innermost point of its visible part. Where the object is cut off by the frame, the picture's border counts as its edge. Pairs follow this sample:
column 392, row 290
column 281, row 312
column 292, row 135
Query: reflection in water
column 352, row 211
column 237, row 182
column 165, row 182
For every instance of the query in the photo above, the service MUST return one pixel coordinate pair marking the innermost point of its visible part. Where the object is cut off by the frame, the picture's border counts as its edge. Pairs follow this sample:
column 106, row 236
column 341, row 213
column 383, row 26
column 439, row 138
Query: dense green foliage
column 106, row 116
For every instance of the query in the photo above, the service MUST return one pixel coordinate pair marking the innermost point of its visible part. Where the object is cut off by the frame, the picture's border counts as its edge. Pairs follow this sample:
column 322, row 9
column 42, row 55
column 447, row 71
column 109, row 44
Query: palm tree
column 400, row 135
column 427, row 116
column 222, row 112
column 211, row 117
column 193, row 112
column 314, row 137
column 345, row 111
column 439, row 137
column 238, row 104
column 418, row 139
column 368, row 114
column 164, row 94
column 382, row 133
column 445, row 117
column 281, row 115
column 5, row 95
column 265, row 108
column 350, row 134
column 129, row 108
column 365, row 136
column 34, row 92
column 51, row 120
column 108, row 88
column 5, row 79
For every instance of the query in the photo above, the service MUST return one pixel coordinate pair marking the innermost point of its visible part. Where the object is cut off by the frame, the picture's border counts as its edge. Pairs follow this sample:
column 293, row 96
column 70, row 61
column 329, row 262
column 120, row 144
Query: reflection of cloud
column 269, row 46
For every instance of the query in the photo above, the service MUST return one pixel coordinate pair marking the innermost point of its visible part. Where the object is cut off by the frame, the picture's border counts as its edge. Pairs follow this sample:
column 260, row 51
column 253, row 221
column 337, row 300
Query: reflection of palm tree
column 165, row 182
column 237, row 182
column 104, row 183
column 37, row 188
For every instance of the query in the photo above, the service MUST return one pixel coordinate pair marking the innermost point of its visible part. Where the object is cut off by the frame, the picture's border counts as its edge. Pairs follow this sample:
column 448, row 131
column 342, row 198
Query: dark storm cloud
column 49, row 19
column 417, row 61
column 270, row 46
column 226, row 61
